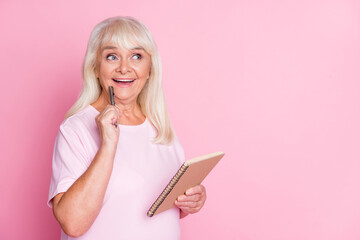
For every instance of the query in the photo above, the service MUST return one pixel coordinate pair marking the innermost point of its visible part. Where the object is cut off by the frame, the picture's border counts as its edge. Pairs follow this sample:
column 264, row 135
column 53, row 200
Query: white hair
column 127, row 32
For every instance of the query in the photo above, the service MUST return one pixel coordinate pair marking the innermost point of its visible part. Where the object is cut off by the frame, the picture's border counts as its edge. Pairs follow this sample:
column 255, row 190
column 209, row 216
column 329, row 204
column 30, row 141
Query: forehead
column 125, row 39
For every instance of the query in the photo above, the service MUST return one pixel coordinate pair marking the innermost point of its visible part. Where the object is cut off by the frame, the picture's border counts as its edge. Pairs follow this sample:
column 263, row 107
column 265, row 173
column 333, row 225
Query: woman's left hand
column 192, row 201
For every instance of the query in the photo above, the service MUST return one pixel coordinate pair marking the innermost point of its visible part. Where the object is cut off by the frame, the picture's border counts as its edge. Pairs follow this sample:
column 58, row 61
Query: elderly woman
column 110, row 162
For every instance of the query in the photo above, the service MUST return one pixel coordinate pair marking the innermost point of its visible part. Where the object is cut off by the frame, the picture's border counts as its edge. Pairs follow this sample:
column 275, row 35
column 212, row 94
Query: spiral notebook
column 190, row 174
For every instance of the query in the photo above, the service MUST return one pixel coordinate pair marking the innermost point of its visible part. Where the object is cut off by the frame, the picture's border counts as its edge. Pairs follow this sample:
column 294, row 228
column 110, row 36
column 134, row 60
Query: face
column 126, row 70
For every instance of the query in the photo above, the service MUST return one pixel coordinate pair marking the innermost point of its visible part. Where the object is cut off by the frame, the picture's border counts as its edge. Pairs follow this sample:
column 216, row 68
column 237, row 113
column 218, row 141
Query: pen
column 112, row 101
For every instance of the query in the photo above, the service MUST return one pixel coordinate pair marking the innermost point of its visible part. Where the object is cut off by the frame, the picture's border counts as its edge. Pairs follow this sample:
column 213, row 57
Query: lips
column 124, row 80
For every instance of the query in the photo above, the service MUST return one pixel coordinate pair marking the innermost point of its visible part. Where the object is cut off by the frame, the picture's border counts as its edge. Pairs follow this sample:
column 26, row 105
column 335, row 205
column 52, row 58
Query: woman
column 111, row 162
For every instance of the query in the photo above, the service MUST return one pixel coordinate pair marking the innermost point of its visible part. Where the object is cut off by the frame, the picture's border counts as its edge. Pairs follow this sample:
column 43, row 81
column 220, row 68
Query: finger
column 117, row 110
column 191, row 198
column 181, row 198
column 113, row 108
column 190, row 207
column 109, row 117
column 185, row 210
column 118, row 115
column 112, row 113
column 190, row 210
column 195, row 190
column 191, row 204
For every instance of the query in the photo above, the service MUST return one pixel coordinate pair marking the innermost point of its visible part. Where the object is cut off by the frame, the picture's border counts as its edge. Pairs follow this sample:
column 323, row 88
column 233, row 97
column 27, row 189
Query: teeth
column 123, row 80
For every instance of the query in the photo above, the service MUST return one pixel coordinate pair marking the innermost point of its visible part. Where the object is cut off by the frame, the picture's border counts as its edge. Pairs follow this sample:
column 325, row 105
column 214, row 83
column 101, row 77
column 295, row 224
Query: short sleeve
column 69, row 161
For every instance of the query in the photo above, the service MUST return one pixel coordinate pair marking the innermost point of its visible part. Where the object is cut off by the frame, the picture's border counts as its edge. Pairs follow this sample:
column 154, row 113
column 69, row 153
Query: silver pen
column 112, row 101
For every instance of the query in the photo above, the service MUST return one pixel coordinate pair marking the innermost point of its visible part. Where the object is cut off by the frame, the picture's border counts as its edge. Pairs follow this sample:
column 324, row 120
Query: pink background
column 274, row 84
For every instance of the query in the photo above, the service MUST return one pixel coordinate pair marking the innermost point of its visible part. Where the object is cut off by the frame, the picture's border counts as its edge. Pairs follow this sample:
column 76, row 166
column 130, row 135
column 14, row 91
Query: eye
column 111, row 57
column 137, row 56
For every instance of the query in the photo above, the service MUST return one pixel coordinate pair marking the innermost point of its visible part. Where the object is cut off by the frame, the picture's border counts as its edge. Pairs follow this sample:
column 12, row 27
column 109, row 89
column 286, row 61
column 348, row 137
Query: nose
column 124, row 66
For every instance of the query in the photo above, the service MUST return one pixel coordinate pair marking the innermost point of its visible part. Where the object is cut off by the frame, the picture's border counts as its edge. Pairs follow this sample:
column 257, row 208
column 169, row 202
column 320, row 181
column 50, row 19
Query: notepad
column 191, row 173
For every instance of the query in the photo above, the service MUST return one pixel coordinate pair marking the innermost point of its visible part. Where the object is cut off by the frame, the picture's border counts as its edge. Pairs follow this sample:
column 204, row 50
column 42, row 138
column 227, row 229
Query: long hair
column 127, row 32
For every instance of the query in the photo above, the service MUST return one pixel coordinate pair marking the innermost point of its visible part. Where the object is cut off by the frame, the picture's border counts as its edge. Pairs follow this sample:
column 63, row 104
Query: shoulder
column 77, row 134
column 80, row 121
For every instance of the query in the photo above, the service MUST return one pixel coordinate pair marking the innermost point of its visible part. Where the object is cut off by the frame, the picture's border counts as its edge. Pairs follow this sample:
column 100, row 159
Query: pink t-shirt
column 140, row 172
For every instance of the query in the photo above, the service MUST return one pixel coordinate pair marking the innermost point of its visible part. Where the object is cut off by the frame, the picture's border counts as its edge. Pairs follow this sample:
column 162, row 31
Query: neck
column 130, row 112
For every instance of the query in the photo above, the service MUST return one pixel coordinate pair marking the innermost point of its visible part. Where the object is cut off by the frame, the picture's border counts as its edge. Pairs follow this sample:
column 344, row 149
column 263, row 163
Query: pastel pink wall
column 274, row 84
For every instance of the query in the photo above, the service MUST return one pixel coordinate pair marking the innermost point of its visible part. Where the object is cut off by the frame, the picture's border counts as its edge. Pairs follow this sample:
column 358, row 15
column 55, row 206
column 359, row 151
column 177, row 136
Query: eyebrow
column 113, row 47
column 108, row 47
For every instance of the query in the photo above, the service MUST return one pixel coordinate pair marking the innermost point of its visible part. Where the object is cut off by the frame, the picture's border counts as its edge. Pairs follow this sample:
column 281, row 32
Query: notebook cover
column 198, row 168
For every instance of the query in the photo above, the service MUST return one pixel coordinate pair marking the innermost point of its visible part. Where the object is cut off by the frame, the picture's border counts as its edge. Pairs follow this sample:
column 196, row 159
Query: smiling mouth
column 123, row 80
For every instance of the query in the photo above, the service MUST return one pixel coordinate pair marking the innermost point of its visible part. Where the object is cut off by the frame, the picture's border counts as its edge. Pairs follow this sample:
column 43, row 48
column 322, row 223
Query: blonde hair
column 127, row 32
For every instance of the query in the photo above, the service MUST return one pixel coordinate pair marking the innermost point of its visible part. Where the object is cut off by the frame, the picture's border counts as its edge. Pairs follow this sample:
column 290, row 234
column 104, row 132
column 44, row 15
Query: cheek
column 98, row 68
column 147, row 73
column 144, row 71
column 105, row 70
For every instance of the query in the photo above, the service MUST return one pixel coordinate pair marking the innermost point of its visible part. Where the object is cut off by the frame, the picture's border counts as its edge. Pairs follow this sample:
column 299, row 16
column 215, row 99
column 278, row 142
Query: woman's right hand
column 105, row 121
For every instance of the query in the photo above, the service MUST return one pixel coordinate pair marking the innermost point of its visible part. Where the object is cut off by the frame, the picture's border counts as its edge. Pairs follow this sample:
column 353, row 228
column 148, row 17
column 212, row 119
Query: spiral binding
column 167, row 190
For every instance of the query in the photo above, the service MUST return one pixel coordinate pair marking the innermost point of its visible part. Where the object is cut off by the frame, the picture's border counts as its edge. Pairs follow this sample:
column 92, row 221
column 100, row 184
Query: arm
column 78, row 207
column 192, row 201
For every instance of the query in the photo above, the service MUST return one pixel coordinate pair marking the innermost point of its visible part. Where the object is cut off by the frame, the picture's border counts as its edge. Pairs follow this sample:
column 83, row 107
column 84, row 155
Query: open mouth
column 123, row 80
